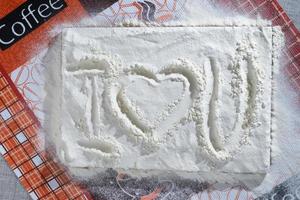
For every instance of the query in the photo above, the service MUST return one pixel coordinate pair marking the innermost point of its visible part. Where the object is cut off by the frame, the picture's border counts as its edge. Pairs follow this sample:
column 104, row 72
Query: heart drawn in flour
column 152, row 101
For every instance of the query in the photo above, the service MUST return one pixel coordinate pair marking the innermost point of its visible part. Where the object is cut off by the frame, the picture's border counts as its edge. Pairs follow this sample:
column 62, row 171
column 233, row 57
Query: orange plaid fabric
column 39, row 174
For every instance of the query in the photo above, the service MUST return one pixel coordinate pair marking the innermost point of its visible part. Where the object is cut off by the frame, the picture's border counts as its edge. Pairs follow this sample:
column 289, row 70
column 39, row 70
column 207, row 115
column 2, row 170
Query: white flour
column 192, row 100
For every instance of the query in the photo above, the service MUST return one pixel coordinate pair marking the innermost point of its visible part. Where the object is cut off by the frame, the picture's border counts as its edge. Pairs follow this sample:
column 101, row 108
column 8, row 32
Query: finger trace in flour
column 182, row 99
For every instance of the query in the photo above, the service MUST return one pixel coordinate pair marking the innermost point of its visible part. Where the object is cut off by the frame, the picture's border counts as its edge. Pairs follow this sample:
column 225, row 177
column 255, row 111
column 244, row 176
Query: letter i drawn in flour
column 93, row 120
column 95, row 110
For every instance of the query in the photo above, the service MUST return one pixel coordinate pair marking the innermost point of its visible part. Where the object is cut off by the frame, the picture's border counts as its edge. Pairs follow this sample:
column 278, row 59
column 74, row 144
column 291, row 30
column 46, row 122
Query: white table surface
column 10, row 188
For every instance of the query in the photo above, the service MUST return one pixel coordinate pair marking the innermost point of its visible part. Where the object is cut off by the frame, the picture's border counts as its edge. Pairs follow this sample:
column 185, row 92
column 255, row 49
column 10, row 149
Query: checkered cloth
column 21, row 148
column 292, row 8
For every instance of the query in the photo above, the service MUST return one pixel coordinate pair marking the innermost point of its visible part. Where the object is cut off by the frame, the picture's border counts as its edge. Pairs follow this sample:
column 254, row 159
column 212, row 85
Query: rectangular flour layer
column 181, row 99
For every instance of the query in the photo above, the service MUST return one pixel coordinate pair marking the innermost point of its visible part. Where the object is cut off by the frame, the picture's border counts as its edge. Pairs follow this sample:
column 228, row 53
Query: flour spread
column 180, row 99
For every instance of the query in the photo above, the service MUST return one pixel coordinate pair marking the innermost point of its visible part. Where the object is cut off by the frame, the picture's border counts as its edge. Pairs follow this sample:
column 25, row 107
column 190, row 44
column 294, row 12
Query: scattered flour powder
column 195, row 101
